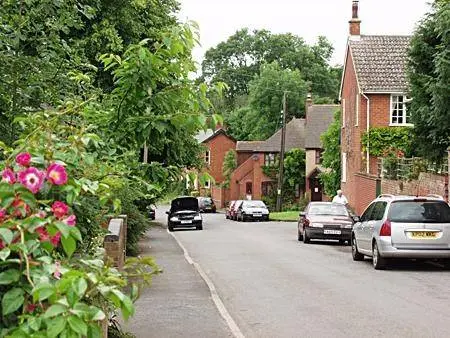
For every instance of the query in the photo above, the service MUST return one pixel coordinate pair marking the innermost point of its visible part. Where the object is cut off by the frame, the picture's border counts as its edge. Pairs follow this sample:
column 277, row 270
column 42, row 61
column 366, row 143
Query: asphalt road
column 274, row 286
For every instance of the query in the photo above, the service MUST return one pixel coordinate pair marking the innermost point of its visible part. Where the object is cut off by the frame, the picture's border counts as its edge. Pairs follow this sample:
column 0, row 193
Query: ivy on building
column 382, row 140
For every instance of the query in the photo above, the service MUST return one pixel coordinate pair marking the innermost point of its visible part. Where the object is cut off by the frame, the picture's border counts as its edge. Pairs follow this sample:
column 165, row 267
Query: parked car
column 402, row 227
column 252, row 210
column 229, row 209
column 151, row 210
column 234, row 210
column 184, row 212
column 325, row 220
column 206, row 204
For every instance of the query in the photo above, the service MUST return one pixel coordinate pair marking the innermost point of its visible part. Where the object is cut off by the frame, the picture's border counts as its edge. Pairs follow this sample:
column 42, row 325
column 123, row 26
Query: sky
column 219, row 19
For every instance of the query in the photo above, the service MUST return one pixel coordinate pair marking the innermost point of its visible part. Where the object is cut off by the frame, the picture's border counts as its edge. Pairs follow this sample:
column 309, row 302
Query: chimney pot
column 355, row 22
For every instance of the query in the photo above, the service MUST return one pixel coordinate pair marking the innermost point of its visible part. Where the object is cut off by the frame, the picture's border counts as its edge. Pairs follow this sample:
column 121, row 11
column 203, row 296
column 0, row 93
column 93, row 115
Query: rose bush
column 45, row 290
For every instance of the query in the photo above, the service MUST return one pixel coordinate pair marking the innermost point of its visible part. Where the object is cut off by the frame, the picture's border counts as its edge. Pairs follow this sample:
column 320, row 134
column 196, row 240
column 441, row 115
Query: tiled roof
column 380, row 62
column 295, row 138
column 204, row 135
column 319, row 117
column 247, row 145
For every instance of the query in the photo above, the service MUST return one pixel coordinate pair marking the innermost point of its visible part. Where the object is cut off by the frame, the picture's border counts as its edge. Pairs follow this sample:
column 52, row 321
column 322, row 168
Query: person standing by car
column 340, row 198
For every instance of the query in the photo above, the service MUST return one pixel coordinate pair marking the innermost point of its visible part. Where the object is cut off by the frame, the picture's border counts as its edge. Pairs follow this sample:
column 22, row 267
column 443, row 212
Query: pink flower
column 41, row 214
column 59, row 209
column 57, row 174
column 2, row 245
column 31, row 307
column 71, row 220
column 31, row 178
column 8, row 176
column 43, row 234
column 55, row 239
column 21, row 209
column 23, row 159
column 2, row 214
column 57, row 273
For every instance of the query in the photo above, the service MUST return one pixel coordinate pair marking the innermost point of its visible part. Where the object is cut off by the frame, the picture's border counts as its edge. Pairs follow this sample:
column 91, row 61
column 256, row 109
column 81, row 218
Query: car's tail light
column 386, row 228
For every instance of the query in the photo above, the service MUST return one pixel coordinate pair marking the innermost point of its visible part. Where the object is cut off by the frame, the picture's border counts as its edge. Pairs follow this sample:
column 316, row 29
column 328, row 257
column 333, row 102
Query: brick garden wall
column 427, row 183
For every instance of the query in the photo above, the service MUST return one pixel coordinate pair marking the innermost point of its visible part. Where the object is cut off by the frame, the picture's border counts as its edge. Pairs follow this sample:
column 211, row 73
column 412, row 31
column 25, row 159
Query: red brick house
column 248, row 180
column 318, row 119
column 373, row 94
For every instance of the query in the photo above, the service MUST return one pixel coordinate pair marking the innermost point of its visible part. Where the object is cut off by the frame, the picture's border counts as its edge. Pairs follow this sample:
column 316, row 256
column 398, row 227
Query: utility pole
column 283, row 138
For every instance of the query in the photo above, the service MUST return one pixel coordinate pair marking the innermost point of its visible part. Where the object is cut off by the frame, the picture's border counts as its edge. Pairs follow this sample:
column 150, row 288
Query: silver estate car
column 402, row 227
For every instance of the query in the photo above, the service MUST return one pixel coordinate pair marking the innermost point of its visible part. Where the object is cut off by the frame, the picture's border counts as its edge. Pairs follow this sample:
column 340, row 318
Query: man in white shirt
column 340, row 198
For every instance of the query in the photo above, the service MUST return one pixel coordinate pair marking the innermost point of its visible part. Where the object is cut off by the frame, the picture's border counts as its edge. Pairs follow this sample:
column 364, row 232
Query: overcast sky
column 218, row 19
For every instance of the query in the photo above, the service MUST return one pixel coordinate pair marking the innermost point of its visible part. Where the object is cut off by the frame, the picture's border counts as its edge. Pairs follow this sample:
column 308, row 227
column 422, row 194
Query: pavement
column 274, row 286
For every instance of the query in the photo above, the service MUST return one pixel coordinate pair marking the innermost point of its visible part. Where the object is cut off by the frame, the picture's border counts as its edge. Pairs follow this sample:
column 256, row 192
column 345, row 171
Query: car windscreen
column 419, row 212
column 187, row 203
column 328, row 209
column 253, row 204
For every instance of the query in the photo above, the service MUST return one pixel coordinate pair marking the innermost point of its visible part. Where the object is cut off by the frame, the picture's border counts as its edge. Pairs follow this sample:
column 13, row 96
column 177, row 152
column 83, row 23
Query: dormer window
column 399, row 114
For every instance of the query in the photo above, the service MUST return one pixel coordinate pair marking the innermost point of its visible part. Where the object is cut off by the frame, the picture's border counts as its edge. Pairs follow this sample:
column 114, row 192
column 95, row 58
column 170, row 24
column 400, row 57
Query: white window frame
column 343, row 114
column 404, row 112
column 208, row 157
column 357, row 110
column 344, row 168
column 207, row 184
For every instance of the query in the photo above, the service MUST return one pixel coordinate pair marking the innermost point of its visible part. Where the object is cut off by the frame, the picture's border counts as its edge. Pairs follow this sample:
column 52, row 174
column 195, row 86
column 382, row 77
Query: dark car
column 325, row 220
column 151, row 210
column 206, row 204
column 229, row 210
column 184, row 212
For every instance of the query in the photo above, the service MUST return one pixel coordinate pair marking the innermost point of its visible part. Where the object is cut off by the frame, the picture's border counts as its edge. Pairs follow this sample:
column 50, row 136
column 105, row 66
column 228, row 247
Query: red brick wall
column 365, row 191
column 242, row 157
column 220, row 196
column 427, row 183
column 218, row 147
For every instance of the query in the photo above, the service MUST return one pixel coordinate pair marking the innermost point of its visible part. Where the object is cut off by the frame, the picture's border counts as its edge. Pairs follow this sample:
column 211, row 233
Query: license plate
column 257, row 215
column 186, row 222
column 331, row 232
column 423, row 234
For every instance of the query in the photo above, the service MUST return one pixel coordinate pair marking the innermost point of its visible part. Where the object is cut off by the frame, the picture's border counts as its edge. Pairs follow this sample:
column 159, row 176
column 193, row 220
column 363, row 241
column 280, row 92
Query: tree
column 331, row 157
column 229, row 165
column 238, row 60
column 261, row 118
column 429, row 77
column 294, row 170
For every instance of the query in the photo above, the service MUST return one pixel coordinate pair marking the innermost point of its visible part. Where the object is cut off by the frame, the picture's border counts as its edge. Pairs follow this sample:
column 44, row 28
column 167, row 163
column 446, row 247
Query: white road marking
column 215, row 296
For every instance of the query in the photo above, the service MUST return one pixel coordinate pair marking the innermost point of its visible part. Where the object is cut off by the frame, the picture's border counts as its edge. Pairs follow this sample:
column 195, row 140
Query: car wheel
column 379, row 263
column 300, row 237
column 199, row 227
column 170, row 227
column 357, row 256
column 306, row 238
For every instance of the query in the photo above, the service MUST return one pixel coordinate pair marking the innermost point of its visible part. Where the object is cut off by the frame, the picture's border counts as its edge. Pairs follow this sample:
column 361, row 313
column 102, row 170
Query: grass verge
column 285, row 216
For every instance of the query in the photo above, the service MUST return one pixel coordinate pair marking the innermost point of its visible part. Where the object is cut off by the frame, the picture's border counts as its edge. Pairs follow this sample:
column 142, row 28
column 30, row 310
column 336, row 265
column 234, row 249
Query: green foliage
column 331, row 157
column 238, row 60
column 429, row 77
column 261, row 118
column 229, row 165
column 381, row 140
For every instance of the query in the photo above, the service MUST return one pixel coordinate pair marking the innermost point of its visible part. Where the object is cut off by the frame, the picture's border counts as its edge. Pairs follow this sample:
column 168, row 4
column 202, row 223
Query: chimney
column 308, row 103
column 355, row 23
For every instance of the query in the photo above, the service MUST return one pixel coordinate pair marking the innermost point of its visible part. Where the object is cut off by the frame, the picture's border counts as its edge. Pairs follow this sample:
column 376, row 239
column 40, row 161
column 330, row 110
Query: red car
column 234, row 210
column 229, row 209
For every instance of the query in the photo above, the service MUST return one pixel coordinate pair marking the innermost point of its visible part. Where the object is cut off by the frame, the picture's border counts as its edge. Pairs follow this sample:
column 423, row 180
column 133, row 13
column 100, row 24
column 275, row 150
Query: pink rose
column 57, row 174
column 8, row 176
column 59, row 209
column 55, row 239
column 43, row 234
column 2, row 214
column 71, row 220
column 32, row 179
column 23, row 159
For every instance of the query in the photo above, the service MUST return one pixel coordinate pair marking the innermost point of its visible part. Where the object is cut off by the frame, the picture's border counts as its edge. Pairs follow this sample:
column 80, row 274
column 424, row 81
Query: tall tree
column 237, row 60
column 262, row 117
column 429, row 75
column 331, row 157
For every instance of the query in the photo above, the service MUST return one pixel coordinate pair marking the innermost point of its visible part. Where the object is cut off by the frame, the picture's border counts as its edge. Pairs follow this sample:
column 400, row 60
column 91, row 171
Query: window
column 378, row 211
column 344, row 168
column 318, row 156
column 368, row 213
column 208, row 157
column 420, row 212
column 270, row 159
column 343, row 113
column 399, row 114
column 208, row 184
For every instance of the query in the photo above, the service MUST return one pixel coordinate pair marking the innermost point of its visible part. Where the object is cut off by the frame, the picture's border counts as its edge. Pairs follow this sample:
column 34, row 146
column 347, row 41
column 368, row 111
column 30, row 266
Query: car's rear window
column 328, row 209
column 419, row 212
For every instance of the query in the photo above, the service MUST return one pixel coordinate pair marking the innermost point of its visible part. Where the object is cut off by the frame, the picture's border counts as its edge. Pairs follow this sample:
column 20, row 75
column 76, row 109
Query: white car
column 402, row 227
column 252, row 210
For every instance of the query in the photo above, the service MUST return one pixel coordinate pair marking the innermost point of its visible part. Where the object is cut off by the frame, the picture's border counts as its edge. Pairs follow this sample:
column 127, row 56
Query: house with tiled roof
column 318, row 119
column 373, row 94
column 248, row 180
